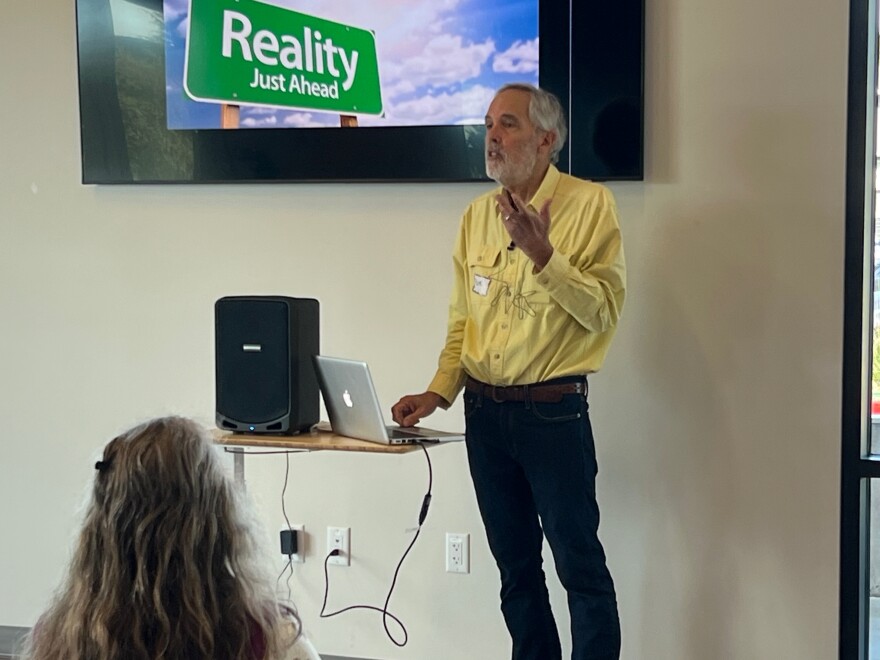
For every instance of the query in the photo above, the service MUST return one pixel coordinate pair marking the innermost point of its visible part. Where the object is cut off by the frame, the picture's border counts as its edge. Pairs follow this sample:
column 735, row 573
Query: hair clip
column 102, row 465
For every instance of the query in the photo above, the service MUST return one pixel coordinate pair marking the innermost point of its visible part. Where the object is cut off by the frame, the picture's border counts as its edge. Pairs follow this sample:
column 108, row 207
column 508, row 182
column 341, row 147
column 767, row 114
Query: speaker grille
column 253, row 360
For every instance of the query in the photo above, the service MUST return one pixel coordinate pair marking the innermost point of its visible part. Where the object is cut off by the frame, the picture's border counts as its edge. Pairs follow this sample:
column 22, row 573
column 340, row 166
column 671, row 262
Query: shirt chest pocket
column 533, row 299
column 534, row 304
column 484, row 270
column 484, row 259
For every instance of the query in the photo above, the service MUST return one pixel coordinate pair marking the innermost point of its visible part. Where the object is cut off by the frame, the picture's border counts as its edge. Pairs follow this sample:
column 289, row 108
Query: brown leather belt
column 541, row 392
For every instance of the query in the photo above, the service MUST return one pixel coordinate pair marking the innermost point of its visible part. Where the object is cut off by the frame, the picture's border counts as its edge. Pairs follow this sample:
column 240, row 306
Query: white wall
column 716, row 416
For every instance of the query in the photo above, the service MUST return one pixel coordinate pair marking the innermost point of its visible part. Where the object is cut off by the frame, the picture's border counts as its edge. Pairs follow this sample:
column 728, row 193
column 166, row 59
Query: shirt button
column 497, row 356
column 504, row 326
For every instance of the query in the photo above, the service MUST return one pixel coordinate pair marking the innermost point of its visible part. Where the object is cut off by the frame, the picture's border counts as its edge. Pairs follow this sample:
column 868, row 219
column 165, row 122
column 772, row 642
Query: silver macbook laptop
column 354, row 409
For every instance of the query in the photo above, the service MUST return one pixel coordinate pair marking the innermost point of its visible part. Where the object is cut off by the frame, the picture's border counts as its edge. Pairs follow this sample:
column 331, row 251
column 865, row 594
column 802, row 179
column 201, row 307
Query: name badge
column 481, row 285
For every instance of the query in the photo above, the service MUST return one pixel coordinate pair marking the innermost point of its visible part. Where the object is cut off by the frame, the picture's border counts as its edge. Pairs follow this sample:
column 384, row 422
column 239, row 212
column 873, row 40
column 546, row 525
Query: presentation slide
column 332, row 63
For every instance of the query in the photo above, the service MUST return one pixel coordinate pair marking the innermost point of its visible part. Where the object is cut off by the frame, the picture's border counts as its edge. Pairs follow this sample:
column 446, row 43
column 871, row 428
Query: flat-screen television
column 220, row 91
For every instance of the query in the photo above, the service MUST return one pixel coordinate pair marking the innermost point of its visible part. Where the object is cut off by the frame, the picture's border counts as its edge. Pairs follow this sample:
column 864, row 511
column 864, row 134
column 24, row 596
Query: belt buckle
column 495, row 397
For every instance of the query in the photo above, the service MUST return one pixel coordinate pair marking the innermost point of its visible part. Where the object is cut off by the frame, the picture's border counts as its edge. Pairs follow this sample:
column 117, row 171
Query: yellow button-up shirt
column 509, row 325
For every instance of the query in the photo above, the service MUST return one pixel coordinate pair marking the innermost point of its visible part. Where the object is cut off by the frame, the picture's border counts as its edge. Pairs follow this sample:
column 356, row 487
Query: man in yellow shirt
column 533, row 310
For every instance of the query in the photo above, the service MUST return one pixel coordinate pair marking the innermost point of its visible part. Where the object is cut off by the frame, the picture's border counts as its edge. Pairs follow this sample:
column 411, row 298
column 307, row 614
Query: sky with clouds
column 439, row 60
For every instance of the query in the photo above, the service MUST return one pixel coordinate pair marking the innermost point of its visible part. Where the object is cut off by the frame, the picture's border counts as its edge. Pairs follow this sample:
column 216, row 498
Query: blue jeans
column 534, row 471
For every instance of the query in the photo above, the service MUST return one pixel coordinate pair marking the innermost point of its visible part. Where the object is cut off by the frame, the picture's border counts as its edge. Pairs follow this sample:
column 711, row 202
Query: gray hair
column 168, row 562
column 545, row 112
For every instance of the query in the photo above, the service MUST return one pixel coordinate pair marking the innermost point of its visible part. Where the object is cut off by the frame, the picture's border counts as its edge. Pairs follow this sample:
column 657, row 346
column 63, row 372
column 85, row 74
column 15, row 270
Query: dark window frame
column 857, row 466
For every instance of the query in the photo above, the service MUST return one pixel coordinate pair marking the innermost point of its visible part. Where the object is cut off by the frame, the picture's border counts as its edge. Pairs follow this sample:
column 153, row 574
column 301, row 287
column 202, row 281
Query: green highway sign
column 252, row 53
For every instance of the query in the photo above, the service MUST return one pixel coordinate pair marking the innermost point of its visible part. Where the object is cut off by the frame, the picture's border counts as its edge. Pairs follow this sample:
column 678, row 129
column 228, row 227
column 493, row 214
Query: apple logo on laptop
column 346, row 398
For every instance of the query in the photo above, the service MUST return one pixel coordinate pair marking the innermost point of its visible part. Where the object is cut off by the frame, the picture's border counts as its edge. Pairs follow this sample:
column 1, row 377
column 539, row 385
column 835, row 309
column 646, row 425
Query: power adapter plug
column 288, row 542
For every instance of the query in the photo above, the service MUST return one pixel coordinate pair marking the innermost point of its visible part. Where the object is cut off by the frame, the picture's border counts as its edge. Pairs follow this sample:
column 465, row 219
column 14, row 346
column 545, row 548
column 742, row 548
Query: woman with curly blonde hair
column 167, row 564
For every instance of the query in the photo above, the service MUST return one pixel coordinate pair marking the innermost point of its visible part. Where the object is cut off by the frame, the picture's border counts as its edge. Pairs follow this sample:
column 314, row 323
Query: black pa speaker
column 265, row 378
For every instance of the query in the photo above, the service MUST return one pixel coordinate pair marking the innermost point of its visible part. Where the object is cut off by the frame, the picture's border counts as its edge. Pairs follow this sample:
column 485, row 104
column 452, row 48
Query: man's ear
column 548, row 139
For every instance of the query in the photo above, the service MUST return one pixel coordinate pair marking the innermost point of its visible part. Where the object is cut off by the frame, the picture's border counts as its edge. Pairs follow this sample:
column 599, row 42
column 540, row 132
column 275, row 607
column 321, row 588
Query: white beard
column 513, row 169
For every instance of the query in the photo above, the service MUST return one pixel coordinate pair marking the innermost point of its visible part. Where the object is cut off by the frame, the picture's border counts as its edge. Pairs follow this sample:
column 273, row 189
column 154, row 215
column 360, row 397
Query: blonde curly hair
column 167, row 563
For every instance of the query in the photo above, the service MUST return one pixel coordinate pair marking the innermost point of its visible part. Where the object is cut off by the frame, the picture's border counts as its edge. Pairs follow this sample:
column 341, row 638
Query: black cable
column 288, row 565
column 286, row 452
column 284, row 490
column 426, row 502
column 423, row 513
column 287, row 520
column 385, row 612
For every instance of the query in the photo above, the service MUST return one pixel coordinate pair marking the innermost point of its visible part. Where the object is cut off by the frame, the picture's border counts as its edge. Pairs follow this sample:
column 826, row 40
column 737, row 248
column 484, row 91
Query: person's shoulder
column 583, row 187
column 295, row 644
column 486, row 199
column 586, row 199
column 303, row 649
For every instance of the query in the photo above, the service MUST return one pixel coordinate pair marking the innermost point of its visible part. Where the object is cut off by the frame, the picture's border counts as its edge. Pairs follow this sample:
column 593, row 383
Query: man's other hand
column 413, row 407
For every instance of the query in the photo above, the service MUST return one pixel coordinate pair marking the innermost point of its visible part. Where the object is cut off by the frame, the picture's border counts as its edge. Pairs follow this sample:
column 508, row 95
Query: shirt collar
column 546, row 189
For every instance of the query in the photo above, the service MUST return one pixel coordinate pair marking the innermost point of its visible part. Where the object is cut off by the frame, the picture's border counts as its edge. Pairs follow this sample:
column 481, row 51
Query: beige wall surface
column 717, row 415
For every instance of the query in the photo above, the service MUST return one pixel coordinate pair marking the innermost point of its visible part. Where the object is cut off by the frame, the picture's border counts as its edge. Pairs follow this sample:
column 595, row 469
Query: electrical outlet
column 458, row 550
column 299, row 557
column 339, row 538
